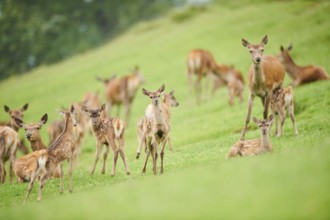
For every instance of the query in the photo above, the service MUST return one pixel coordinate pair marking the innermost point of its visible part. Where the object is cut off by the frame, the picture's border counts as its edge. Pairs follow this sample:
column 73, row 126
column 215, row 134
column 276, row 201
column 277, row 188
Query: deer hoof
column 137, row 156
column 128, row 173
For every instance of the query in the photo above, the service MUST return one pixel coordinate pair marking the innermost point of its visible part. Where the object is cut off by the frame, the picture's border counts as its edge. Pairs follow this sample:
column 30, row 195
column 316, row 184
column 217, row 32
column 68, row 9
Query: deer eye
column 262, row 50
column 250, row 51
column 98, row 115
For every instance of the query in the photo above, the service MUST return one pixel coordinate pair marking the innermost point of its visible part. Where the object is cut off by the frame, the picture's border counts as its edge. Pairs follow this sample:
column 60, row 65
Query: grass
column 290, row 183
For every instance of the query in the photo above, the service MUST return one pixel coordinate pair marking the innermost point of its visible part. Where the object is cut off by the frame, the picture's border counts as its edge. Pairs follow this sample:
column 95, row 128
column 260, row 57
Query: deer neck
column 291, row 67
column 13, row 125
column 37, row 144
column 264, row 142
column 156, row 112
column 258, row 76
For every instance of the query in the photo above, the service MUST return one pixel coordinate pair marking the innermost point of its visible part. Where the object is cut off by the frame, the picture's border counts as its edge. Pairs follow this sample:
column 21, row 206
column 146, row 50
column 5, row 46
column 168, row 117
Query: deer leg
column 11, row 167
column 143, row 139
column 33, row 178
column 70, row 174
column 61, row 177
column 162, row 154
column 248, row 116
column 115, row 156
column 155, row 153
column 42, row 182
column 169, row 143
column 190, row 75
column 198, row 89
column 276, row 123
column 291, row 112
column 231, row 96
column 105, row 156
column 109, row 107
column 146, row 161
column 97, row 156
column 282, row 118
column 127, row 112
column 267, row 100
column 3, row 171
column 122, row 154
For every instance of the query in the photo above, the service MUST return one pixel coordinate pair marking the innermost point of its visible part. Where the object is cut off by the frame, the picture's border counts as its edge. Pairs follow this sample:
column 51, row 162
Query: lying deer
column 9, row 141
column 49, row 159
column 122, row 91
column 266, row 75
column 281, row 100
column 254, row 147
column 156, row 128
column 300, row 75
column 107, row 131
column 169, row 101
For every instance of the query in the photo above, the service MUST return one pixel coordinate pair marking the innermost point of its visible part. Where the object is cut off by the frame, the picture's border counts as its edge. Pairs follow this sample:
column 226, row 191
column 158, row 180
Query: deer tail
column 118, row 127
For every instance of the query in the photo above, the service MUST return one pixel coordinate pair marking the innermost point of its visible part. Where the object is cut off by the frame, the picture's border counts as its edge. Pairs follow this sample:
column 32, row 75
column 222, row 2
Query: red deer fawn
column 156, row 128
column 9, row 141
column 266, row 75
column 283, row 99
column 106, row 131
column 168, row 102
column 254, row 147
column 201, row 63
column 122, row 91
column 91, row 100
column 49, row 159
column 300, row 75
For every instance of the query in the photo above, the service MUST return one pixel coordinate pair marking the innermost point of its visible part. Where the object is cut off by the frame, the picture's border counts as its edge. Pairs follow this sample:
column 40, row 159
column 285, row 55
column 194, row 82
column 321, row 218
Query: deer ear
column 25, row 107
column 102, row 107
column 172, row 92
column 113, row 77
column 72, row 109
column 270, row 119
column 44, row 119
column 255, row 120
column 162, row 88
column 7, row 109
column 19, row 122
column 264, row 40
column 84, row 108
column 245, row 43
column 290, row 47
column 281, row 48
column 145, row 92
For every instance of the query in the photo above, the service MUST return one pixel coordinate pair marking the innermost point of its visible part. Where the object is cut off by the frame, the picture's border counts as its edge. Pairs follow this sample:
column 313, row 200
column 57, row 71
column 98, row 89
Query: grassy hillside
column 291, row 182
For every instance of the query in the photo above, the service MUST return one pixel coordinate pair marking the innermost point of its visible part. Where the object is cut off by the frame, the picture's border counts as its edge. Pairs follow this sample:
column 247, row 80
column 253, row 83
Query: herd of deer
column 265, row 79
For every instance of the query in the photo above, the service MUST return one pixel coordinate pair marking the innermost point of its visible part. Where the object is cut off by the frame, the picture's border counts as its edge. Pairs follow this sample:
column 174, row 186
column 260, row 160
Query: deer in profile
column 266, row 75
column 9, row 141
column 254, row 147
column 49, row 159
column 107, row 131
column 300, row 74
column 281, row 100
column 169, row 101
column 156, row 128
column 122, row 90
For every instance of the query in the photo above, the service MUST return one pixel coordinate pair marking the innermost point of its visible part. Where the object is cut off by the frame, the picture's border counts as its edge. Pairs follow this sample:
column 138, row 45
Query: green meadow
column 198, row 182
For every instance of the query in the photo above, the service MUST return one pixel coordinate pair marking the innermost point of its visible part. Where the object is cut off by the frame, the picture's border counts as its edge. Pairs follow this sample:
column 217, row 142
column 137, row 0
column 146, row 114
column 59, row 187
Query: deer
column 266, row 75
column 52, row 157
column 257, row 146
column 169, row 101
column 281, row 100
column 156, row 128
column 300, row 74
column 9, row 141
column 16, row 113
column 107, row 131
column 122, row 90
column 201, row 63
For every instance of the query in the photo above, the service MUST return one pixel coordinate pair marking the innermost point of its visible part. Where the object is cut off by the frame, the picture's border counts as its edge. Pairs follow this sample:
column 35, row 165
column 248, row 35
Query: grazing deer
column 169, row 101
column 122, row 91
column 266, row 75
column 106, row 131
column 9, row 141
column 300, row 75
column 254, row 147
column 156, row 128
column 281, row 100
column 201, row 63
column 49, row 159
column 16, row 113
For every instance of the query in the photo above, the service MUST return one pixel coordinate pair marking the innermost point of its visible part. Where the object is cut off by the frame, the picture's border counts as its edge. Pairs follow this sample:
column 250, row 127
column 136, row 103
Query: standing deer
column 300, row 75
column 281, row 100
column 156, row 128
column 9, row 141
column 91, row 100
column 201, row 63
column 169, row 101
column 266, row 75
column 49, row 159
column 122, row 91
column 106, row 131
column 254, row 147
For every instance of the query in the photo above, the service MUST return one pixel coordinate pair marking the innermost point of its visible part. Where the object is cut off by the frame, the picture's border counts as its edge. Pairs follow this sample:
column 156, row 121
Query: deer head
column 71, row 115
column 264, row 125
column 284, row 54
column 32, row 130
column 106, row 80
column 94, row 114
column 256, row 50
column 171, row 98
column 155, row 95
column 16, row 113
